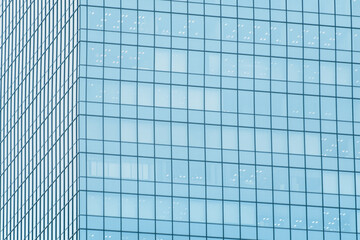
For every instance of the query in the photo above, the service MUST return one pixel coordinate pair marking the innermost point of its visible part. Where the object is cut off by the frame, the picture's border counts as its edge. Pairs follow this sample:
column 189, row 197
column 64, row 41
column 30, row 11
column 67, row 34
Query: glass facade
column 192, row 120
column 38, row 170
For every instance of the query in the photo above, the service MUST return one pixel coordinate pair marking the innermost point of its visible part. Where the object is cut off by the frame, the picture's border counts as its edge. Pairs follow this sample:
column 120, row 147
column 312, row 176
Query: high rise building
column 180, row 120
column 39, row 75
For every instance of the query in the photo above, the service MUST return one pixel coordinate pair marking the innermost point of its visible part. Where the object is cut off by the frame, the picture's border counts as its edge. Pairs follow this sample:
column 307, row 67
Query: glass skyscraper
column 38, row 124
column 180, row 120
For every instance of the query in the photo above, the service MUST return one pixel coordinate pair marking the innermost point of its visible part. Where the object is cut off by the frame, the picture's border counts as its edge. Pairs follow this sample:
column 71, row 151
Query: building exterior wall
column 39, row 62
column 198, row 119
column 219, row 120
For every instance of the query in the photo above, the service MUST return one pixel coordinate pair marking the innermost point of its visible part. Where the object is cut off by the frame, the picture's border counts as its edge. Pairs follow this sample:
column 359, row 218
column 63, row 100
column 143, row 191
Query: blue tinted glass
column 199, row 119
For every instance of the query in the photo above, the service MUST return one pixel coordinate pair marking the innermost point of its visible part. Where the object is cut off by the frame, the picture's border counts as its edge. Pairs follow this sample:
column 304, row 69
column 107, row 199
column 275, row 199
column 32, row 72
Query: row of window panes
column 197, row 135
column 226, row 29
column 225, row 100
column 196, row 62
column 199, row 231
column 212, row 211
column 229, row 7
column 212, row 173
column 217, row 155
